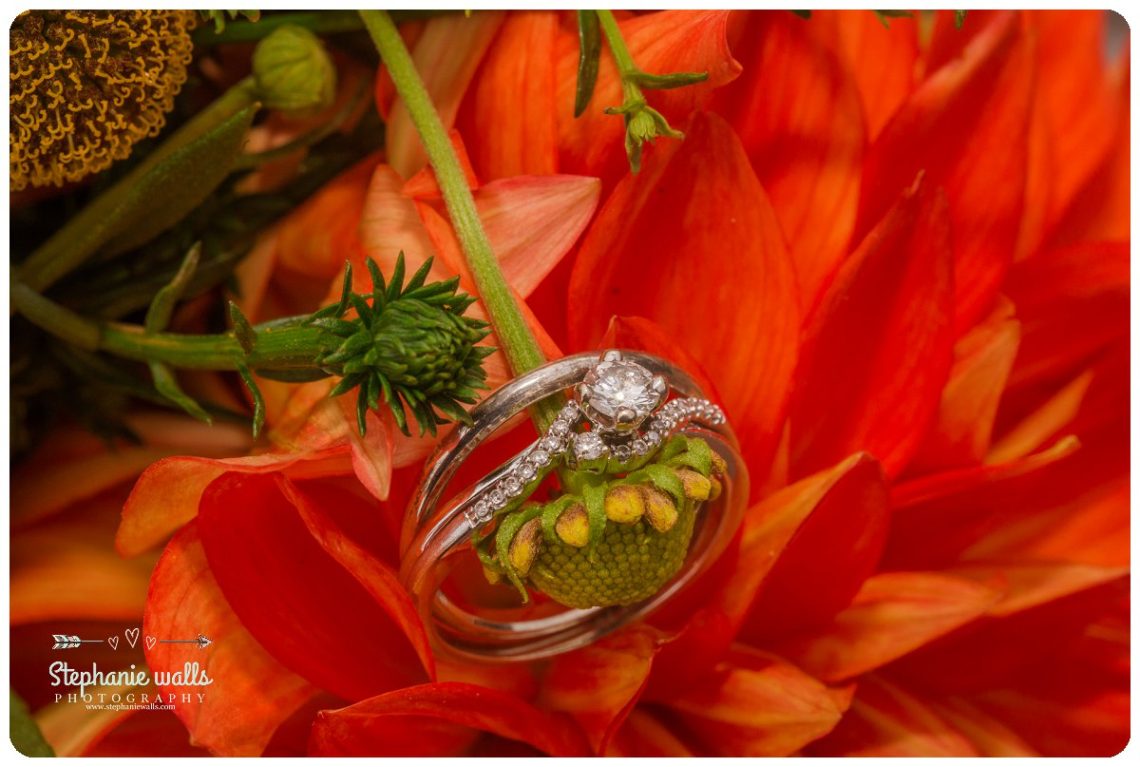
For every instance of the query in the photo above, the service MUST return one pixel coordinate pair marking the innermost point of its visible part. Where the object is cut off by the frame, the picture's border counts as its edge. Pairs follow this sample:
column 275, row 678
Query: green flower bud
column 292, row 71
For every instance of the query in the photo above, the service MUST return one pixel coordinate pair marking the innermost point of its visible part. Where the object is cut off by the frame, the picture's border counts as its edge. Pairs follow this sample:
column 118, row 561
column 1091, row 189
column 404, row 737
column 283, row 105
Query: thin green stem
column 520, row 346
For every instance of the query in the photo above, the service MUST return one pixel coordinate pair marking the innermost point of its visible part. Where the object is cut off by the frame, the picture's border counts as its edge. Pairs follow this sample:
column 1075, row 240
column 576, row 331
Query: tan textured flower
column 86, row 85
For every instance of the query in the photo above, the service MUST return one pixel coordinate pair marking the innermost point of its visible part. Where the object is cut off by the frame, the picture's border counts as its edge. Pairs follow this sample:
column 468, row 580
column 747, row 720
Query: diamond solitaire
column 617, row 395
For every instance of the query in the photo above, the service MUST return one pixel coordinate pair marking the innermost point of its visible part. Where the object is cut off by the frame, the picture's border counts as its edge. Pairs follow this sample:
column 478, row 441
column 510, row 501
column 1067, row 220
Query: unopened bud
column 573, row 526
column 525, row 546
column 624, row 504
column 697, row 486
column 292, row 71
column 660, row 510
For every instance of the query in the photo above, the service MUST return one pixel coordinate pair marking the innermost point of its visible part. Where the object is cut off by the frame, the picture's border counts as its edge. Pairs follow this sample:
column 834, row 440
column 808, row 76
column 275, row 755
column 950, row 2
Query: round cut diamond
column 588, row 446
column 620, row 393
column 540, row 457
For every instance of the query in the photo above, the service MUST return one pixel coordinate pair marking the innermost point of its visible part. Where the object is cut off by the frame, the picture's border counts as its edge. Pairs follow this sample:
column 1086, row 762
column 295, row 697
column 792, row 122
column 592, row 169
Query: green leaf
column 959, row 19
column 802, row 14
column 22, row 729
column 669, row 81
column 589, row 54
column 258, row 400
column 156, row 194
column 158, row 315
column 177, row 185
column 594, row 498
column 167, row 386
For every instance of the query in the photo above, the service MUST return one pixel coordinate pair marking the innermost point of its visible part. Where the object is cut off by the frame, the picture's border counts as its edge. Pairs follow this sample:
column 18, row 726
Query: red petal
column 983, row 357
column 1073, row 302
column 846, row 529
column 377, row 578
column 660, row 43
column 887, row 720
column 892, row 615
column 446, row 56
column 166, row 495
column 643, row 734
column 1077, row 105
column 797, row 112
column 600, row 684
column 659, row 250
column 510, row 108
column 782, row 540
column 435, row 719
column 251, row 693
column 297, row 600
column 966, row 127
column 758, row 705
column 1029, row 584
column 876, row 349
column 1041, row 426
column 881, row 58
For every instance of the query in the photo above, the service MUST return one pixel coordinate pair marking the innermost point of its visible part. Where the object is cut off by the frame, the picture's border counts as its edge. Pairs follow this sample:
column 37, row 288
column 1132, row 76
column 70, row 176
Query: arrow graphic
column 201, row 641
column 71, row 641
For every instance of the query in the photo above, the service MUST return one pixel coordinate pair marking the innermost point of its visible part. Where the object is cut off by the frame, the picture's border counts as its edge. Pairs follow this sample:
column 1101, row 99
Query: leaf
column 959, row 19
column 22, row 729
column 589, row 54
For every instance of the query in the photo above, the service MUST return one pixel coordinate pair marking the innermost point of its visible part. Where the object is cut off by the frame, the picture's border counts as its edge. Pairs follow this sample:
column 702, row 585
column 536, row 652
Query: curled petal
column 318, row 619
column 600, row 685
column 756, row 704
column 439, row 719
column 892, row 615
column 251, row 693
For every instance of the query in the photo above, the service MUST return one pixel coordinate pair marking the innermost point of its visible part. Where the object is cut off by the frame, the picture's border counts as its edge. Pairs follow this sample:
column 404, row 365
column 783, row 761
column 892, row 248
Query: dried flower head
column 86, row 85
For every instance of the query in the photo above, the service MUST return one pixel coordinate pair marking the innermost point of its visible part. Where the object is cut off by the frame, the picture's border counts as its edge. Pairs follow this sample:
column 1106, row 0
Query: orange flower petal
column 966, row 127
column 600, row 684
column 660, row 43
column 511, row 108
column 887, row 720
column 446, row 56
column 983, row 357
column 439, row 719
column 1029, row 584
column 758, row 705
column 892, row 615
column 658, row 250
column 251, row 693
column 643, row 734
column 378, row 578
column 318, row 620
column 876, row 350
column 797, row 112
column 882, row 59
column 845, row 527
column 1077, row 105
column 1073, row 303
column 166, row 495
column 67, row 569
column 938, row 517
column 988, row 735
column 1050, row 420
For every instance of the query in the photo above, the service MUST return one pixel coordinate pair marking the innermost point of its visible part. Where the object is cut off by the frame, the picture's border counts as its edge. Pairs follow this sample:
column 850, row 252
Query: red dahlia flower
column 899, row 254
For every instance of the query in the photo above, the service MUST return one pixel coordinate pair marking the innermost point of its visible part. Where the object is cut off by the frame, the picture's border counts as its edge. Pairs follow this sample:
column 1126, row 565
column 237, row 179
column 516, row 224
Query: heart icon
column 114, row 642
column 132, row 636
column 150, row 642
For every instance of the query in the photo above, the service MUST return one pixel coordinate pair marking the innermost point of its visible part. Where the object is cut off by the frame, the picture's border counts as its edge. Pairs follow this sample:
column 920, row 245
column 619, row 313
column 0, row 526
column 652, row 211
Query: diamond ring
column 625, row 408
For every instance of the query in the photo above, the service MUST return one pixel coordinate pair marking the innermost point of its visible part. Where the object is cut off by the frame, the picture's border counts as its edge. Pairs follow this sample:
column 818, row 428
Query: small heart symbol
column 114, row 642
column 132, row 636
column 150, row 642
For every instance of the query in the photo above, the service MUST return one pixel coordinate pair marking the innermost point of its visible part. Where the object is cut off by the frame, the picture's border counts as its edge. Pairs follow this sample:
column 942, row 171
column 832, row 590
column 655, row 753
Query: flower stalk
column 518, row 343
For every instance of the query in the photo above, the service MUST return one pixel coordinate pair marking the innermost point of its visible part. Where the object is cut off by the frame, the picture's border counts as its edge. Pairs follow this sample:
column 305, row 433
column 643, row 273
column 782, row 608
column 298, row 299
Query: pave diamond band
column 614, row 385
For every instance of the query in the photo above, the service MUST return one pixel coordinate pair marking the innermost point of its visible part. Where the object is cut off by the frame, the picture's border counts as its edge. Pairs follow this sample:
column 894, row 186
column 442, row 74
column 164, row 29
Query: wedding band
column 623, row 398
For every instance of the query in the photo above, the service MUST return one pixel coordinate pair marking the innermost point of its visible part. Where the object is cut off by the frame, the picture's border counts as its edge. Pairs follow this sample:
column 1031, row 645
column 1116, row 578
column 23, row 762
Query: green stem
column 282, row 345
column 521, row 349
column 627, row 70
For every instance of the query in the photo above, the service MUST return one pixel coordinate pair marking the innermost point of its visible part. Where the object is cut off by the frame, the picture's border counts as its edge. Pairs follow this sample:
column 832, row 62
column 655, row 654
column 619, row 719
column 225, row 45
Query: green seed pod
column 292, row 72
